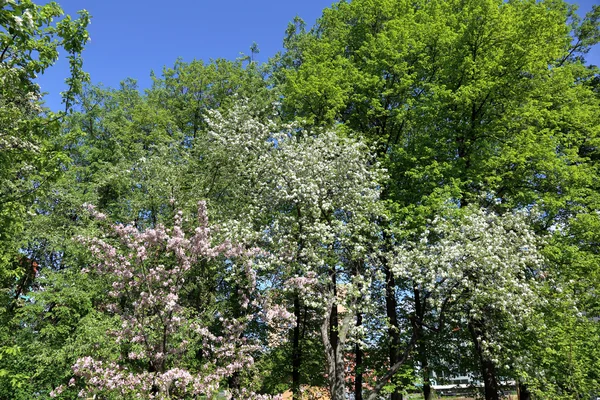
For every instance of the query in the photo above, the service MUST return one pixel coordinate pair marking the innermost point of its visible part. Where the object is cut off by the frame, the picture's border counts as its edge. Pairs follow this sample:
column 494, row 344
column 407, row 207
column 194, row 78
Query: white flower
column 28, row 19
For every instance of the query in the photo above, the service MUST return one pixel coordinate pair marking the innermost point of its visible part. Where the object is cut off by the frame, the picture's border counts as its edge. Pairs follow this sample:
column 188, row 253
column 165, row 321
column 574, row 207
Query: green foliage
column 479, row 103
column 452, row 92
column 485, row 102
column 30, row 160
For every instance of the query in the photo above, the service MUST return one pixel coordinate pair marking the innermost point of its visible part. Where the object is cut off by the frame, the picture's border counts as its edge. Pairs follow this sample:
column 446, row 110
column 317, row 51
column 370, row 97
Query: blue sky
column 132, row 37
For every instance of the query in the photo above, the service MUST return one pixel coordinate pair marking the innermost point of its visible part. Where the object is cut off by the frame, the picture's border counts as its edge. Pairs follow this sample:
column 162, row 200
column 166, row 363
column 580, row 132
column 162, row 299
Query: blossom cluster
column 147, row 271
column 313, row 189
column 316, row 194
column 476, row 266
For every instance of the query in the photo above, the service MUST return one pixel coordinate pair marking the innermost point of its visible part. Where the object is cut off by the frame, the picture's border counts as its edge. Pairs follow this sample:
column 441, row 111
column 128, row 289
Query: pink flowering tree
column 147, row 273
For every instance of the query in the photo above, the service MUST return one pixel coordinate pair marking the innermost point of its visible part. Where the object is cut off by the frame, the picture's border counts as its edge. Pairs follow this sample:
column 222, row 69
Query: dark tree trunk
column 427, row 389
column 234, row 382
column 296, row 354
column 524, row 393
column 422, row 345
column 358, row 376
column 394, row 330
column 488, row 369
column 30, row 268
column 333, row 322
column 296, row 351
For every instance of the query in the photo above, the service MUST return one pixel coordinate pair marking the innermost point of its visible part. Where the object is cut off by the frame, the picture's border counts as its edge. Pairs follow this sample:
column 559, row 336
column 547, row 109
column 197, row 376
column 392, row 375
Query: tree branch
column 393, row 369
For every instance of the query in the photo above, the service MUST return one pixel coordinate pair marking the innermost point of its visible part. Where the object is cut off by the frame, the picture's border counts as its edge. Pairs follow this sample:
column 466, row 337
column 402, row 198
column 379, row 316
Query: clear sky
column 132, row 37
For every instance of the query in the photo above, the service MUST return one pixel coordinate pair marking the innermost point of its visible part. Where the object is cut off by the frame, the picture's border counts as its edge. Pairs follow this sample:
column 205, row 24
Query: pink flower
column 153, row 322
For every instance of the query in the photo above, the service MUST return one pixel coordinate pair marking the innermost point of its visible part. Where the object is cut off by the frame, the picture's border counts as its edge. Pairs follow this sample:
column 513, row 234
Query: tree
column 156, row 332
column 463, row 100
column 480, row 270
column 29, row 157
column 126, row 155
column 189, row 89
column 313, row 199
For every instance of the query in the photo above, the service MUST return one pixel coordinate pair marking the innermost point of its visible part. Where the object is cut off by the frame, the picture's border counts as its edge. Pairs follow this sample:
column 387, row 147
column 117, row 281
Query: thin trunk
column 393, row 330
column 488, row 369
column 333, row 322
column 296, row 351
column 358, row 376
column 340, row 380
column 234, row 382
column 333, row 341
column 523, row 391
column 358, row 353
column 296, row 354
column 422, row 345
column 374, row 395
column 335, row 359
column 154, row 389
column 329, row 353
column 28, row 278
column 427, row 387
column 337, row 389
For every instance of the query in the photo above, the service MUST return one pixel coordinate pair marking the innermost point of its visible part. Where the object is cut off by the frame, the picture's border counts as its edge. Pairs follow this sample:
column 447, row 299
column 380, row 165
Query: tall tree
column 317, row 195
column 469, row 100
column 29, row 44
column 31, row 36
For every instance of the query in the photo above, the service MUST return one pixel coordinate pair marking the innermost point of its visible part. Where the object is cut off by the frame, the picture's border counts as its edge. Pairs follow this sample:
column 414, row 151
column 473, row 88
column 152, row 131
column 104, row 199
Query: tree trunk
column 335, row 357
column 296, row 354
column 393, row 330
column 488, row 369
column 333, row 341
column 337, row 389
column 523, row 391
column 339, row 392
column 358, row 376
column 422, row 345
column 427, row 388
column 234, row 382
column 30, row 268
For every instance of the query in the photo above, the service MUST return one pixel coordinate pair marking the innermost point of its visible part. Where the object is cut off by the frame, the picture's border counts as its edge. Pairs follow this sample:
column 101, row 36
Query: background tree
column 30, row 38
column 466, row 100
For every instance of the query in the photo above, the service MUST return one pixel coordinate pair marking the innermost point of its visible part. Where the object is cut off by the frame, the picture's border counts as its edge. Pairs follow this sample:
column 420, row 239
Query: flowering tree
column 479, row 269
column 147, row 273
column 314, row 203
column 333, row 193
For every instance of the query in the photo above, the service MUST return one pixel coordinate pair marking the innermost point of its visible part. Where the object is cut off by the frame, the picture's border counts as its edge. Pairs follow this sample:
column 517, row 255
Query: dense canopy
column 405, row 198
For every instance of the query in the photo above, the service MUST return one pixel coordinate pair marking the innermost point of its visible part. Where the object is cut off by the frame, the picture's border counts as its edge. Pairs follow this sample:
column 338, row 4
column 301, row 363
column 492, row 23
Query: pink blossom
column 154, row 322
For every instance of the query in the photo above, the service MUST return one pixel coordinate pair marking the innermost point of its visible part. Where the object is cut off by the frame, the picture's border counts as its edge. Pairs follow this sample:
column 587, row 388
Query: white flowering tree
column 333, row 192
column 147, row 273
column 478, row 269
column 313, row 197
